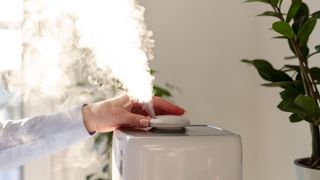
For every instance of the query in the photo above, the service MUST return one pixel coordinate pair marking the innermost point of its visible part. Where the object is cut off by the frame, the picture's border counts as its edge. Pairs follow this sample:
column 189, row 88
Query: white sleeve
column 30, row 138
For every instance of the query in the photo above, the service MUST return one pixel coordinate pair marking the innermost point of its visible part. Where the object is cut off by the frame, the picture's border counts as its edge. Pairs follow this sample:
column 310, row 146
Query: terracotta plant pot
column 304, row 172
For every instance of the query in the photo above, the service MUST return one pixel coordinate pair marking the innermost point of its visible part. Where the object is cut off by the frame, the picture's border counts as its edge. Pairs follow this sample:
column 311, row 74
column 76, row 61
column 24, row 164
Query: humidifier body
column 198, row 153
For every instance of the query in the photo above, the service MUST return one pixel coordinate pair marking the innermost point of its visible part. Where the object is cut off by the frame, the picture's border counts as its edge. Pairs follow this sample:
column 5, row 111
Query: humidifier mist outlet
column 169, row 122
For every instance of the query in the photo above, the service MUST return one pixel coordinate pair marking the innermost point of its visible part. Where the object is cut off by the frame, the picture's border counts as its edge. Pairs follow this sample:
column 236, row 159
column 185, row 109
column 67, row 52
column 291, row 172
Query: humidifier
column 175, row 150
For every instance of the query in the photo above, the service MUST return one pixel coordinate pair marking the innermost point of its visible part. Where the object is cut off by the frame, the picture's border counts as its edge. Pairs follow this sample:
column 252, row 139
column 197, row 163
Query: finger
column 137, row 120
column 139, row 108
column 162, row 106
column 123, row 101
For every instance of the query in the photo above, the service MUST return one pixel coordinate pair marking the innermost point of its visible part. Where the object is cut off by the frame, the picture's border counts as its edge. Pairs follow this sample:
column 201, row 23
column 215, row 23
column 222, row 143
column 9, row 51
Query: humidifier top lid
column 191, row 130
column 169, row 122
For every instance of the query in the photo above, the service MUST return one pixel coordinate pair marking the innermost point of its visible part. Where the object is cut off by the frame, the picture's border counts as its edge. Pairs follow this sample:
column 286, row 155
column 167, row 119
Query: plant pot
column 304, row 172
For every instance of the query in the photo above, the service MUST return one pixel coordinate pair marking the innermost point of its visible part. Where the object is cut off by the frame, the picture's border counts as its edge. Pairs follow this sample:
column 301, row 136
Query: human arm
column 27, row 139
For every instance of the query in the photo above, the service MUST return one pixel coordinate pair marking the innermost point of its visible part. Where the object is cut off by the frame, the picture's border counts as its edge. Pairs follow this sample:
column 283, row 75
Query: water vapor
column 79, row 51
column 76, row 49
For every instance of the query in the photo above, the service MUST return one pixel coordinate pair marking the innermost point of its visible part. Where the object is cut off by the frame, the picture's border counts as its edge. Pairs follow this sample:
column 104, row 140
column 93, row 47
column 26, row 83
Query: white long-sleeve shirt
column 30, row 138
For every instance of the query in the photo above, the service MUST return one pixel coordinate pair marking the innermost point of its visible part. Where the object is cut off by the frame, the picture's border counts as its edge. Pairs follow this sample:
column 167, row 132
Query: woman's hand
column 107, row 115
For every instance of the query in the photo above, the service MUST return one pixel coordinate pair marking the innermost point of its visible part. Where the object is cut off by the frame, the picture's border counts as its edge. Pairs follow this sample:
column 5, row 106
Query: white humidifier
column 175, row 151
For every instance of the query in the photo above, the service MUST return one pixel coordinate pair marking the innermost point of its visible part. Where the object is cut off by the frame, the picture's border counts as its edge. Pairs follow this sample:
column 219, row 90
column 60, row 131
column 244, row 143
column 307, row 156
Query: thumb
column 137, row 120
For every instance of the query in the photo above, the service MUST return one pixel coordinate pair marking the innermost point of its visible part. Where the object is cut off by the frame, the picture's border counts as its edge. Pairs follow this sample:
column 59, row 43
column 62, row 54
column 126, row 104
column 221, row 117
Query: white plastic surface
column 169, row 122
column 306, row 173
column 176, row 157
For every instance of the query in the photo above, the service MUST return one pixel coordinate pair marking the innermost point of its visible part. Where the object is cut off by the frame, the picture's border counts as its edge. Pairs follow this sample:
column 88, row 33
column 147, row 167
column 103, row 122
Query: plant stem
column 304, row 70
column 315, row 141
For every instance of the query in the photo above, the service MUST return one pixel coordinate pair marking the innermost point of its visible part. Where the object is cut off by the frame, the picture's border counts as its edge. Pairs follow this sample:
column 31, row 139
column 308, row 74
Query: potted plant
column 297, row 79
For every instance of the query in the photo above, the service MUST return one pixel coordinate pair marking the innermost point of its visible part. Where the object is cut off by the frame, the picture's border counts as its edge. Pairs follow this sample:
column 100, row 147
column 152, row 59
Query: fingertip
column 181, row 111
column 144, row 122
column 163, row 107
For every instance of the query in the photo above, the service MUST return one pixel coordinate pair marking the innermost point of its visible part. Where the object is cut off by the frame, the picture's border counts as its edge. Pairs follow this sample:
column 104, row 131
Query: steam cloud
column 74, row 50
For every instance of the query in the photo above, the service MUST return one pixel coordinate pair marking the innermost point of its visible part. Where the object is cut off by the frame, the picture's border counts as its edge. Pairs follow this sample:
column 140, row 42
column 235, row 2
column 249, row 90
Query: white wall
column 199, row 45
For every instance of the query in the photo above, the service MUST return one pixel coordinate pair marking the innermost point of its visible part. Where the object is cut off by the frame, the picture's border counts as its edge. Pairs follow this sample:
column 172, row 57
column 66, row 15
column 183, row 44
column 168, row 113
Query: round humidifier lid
column 169, row 122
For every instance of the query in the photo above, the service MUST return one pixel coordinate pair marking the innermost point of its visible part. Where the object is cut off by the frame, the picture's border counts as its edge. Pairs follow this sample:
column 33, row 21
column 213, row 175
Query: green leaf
column 263, row 67
column 109, row 136
column 295, row 118
column 267, row 72
column 309, row 119
column 152, row 71
column 101, row 137
column 316, row 14
column 308, row 105
column 282, row 84
column 279, row 37
column 298, row 76
column 305, row 51
column 288, row 105
column 303, row 11
column 290, row 57
column 81, row 83
column 301, row 17
column 269, row 13
column 289, row 94
column 317, row 122
column 283, row 28
column 291, row 67
column 274, row 2
column 305, row 31
column 280, row 3
column 294, row 8
column 291, row 47
column 161, row 92
column 89, row 177
column 315, row 74
column 263, row 1
column 246, row 61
